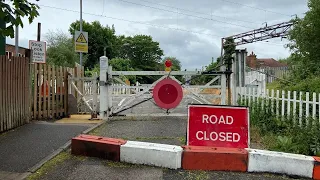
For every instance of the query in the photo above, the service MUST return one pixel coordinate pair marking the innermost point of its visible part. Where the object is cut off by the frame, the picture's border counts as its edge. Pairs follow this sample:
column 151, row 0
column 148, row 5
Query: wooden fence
column 51, row 90
column 14, row 92
column 284, row 104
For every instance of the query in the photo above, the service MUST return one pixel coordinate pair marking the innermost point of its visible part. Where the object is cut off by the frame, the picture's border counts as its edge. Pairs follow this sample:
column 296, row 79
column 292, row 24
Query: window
column 7, row 54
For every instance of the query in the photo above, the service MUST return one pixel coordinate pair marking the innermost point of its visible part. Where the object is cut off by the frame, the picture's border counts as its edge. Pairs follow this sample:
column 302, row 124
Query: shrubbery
column 282, row 133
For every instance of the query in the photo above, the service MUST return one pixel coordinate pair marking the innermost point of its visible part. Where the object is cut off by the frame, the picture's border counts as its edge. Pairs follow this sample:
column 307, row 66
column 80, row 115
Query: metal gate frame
column 107, row 75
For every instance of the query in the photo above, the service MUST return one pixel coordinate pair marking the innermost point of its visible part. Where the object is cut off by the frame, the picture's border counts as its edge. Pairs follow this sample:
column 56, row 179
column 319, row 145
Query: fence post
column 95, row 96
column 110, row 90
column 103, row 87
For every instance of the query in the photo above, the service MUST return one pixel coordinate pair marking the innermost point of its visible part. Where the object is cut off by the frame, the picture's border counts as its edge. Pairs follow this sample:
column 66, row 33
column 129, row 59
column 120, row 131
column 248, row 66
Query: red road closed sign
column 218, row 126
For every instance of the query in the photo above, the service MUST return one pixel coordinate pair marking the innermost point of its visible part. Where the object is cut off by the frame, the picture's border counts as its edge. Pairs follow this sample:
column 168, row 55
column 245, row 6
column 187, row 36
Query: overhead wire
column 210, row 19
column 253, row 7
column 137, row 22
column 196, row 12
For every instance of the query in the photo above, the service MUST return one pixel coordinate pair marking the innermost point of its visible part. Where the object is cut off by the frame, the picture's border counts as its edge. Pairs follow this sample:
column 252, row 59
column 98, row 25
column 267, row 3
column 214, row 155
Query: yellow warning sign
column 81, row 39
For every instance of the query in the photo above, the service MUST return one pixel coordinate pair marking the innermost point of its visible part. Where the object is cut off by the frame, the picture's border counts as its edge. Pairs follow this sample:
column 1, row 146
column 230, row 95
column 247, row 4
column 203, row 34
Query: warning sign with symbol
column 81, row 41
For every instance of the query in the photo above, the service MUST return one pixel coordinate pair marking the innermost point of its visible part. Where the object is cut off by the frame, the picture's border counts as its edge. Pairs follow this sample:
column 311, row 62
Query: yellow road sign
column 168, row 69
column 81, row 41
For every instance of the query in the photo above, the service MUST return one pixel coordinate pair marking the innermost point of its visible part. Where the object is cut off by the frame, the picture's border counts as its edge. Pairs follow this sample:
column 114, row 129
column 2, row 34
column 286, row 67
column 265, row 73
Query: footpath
column 166, row 130
column 25, row 149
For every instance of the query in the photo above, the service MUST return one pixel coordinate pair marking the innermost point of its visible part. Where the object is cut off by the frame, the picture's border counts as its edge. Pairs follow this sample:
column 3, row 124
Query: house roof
column 14, row 46
column 270, row 62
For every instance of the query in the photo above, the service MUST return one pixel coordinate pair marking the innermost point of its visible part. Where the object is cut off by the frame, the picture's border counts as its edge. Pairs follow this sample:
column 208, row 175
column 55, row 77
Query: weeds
column 284, row 134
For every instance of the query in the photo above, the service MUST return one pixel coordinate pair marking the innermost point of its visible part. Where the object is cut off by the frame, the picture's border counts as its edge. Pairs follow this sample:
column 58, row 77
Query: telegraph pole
column 2, row 38
column 17, row 39
column 80, row 29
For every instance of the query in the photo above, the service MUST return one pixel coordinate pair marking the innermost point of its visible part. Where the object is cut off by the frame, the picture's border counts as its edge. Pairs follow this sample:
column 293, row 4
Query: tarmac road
column 167, row 130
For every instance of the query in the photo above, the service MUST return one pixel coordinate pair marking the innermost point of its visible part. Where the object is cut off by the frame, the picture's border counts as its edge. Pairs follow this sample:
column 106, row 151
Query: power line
column 232, row 2
column 138, row 22
column 210, row 19
column 197, row 12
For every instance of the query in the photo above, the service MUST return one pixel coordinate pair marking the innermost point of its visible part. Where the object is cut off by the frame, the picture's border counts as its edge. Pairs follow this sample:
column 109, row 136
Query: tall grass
column 283, row 134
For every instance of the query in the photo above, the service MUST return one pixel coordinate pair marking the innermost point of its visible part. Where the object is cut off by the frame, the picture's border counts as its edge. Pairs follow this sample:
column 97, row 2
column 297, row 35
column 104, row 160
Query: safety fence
column 14, row 92
column 299, row 106
column 50, row 89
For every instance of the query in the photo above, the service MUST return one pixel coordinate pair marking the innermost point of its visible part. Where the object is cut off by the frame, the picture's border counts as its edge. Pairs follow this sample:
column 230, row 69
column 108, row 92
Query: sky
column 190, row 30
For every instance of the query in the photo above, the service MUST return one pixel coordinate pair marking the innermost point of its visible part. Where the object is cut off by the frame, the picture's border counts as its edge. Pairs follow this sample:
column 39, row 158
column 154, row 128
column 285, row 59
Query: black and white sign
column 38, row 51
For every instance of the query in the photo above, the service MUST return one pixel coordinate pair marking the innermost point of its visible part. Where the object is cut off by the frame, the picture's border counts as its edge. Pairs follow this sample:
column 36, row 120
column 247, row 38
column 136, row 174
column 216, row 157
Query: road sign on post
column 81, row 41
column 167, row 93
column 38, row 51
column 218, row 126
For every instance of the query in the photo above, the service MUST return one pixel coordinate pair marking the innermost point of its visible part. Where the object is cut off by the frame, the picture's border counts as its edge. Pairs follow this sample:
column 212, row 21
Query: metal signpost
column 81, row 41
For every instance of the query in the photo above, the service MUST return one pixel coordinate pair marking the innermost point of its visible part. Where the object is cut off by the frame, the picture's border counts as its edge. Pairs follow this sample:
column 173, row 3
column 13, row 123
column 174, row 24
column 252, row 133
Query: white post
column 95, row 95
column 103, row 88
column 110, row 90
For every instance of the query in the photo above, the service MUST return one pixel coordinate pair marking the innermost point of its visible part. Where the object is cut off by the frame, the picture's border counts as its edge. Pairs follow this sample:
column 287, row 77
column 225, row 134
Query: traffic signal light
column 168, row 65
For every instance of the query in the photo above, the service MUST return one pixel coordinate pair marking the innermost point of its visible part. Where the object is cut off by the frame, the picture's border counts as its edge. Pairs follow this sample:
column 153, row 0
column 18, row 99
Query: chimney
column 252, row 60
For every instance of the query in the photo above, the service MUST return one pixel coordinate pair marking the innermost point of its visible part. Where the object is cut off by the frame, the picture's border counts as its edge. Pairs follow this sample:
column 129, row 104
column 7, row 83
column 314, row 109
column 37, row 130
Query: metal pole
column 39, row 32
column 2, row 38
column 17, row 39
column 80, row 29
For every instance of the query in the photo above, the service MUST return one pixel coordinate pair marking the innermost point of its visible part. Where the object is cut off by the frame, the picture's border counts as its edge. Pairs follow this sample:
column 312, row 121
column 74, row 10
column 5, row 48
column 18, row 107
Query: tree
column 12, row 16
column 120, row 64
column 99, row 38
column 60, row 50
column 304, row 42
column 143, row 52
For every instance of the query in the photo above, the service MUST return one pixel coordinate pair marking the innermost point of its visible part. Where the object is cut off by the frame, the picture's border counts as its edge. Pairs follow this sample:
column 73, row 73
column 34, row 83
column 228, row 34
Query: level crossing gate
column 113, row 104
column 107, row 94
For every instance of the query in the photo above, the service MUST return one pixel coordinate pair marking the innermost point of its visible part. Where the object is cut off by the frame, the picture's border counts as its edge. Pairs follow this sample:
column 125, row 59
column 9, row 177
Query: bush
column 282, row 133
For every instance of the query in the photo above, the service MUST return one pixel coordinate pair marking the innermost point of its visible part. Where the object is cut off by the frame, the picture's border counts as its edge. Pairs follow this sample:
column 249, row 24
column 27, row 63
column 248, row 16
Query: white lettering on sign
column 213, row 119
column 38, row 51
column 214, row 136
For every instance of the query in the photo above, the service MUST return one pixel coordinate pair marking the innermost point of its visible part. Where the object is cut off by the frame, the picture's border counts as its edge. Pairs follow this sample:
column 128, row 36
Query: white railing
column 284, row 104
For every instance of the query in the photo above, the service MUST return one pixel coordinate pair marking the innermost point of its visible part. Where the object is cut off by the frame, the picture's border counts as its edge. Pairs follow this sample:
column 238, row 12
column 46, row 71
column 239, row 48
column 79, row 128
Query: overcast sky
column 190, row 30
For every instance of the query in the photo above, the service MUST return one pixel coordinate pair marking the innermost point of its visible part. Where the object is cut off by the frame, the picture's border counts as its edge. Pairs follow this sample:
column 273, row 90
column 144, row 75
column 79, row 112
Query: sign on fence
column 81, row 41
column 218, row 126
column 38, row 51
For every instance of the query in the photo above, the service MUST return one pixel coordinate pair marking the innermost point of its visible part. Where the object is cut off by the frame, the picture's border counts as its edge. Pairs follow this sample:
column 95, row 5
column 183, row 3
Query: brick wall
column 252, row 60
column 11, row 50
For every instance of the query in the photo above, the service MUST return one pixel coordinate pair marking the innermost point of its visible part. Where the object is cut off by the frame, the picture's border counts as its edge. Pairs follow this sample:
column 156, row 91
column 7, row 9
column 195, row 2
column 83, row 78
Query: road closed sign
column 38, row 51
column 218, row 126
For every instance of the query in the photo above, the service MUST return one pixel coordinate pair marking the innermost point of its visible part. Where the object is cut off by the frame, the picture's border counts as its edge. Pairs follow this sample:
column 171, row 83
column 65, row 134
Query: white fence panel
column 284, row 104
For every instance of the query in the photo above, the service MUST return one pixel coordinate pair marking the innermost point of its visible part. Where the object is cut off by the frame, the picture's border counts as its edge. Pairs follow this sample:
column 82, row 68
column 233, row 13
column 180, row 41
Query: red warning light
column 168, row 63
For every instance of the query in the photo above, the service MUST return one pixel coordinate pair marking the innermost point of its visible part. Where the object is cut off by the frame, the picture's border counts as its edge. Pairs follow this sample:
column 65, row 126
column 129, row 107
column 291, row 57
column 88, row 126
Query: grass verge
column 60, row 158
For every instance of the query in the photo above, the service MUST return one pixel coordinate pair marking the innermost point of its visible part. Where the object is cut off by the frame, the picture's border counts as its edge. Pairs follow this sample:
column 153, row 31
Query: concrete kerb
column 177, row 157
column 59, row 150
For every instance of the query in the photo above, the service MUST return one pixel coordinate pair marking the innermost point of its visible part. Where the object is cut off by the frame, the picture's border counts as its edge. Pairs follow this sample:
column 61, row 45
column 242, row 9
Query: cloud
column 211, row 19
column 193, row 51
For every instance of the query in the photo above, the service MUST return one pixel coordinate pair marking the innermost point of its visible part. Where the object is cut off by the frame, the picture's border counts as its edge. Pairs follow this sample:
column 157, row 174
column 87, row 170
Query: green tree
column 144, row 53
column 305, row 38
column 60, row 49
column 12, row 16
column 120, row 64
column 99, row 38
